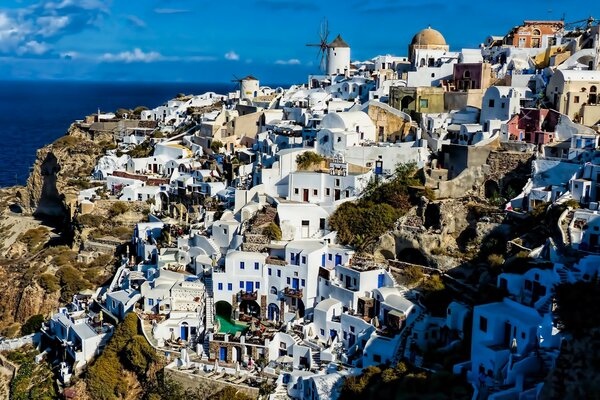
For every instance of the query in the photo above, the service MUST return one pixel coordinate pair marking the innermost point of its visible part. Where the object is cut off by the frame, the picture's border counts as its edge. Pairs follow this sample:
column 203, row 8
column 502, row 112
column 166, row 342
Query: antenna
column 322, row 45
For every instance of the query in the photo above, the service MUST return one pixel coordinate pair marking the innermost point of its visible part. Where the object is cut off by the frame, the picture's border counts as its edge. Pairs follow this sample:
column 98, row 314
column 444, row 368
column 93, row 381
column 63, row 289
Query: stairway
column 562, row 274
column 294, row 335
column 545, row 307
column 213, row 245
column 316, row 358
column 280, row 392
column 209, row 309
column 205, row 348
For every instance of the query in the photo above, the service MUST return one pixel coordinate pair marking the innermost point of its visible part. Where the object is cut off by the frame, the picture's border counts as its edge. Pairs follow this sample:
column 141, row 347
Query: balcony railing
column 250, row 296
column 289, row 292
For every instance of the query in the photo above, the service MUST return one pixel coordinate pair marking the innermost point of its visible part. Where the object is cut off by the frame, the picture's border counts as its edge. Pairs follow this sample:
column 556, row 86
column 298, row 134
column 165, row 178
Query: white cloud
column 136, row 21
column 232, row 56
column 137, row 55
column 33, row 47
column 50, row 25
column 291, row 61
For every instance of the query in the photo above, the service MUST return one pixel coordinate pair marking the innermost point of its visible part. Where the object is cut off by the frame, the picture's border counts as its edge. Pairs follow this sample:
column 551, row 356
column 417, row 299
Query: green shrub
column 495, row 260
column 118, row 208
column 32, row 325
column 90, row 220
column 71, row 282
column 216, row 145
column 49, row 283
column 433, row 284
column 272, row 231
column 138, row 110
column 35, row 238
column 67, row 141
column 412, row 274
column 308, row 159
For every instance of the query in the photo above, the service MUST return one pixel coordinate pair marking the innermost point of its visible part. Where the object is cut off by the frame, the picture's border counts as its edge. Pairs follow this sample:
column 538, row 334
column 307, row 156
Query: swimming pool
column 226, row 326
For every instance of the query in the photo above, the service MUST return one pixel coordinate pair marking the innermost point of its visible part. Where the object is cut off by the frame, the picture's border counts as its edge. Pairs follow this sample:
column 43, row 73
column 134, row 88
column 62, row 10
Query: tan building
column 427, row 39
column 391, row 125
column 417, row 100
column 576, row 93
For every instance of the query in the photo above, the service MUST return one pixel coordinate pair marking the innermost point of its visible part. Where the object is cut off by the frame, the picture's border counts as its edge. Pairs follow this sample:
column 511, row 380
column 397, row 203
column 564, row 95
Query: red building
column 534, row 34
column 532, row 125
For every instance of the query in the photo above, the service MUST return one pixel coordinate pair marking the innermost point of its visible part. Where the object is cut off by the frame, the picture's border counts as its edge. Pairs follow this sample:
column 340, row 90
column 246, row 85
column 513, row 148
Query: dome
column 428, row 37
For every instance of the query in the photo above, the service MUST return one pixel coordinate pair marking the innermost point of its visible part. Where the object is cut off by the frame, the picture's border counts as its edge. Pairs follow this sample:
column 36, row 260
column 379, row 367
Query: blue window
column 288, row 280
column 303, row 282
column 242, row 265
column 330, row 257
column 323, row 260
column 256, row 265
column 150, row 302
column 292, row 256
column 257, row 285
column 220, row 286
column 269, row 271
column 230, row 286
column 322, row 332
column 241, row 284
column 303, row 259
column 279, row 273
column 345, row 335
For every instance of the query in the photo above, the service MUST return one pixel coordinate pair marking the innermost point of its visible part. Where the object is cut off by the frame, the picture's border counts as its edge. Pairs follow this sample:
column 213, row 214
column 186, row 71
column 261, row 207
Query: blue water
column 33, row 114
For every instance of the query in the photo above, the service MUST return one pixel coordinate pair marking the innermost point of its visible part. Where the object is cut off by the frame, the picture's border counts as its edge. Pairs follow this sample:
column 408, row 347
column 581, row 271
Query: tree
column 216, row 145
column 272, row 231
column 308, row 159
column 32, row 325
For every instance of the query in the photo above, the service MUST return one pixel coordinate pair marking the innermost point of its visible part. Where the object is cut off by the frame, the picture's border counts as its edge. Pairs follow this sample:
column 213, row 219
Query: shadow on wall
column 51, row 201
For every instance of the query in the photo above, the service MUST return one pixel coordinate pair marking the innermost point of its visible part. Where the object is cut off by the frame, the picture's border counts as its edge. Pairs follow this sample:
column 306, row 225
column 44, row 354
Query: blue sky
column 210, row 41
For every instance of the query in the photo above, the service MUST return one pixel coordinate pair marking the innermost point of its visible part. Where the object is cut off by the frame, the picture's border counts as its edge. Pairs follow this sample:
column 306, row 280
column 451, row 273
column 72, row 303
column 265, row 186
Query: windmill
column 322, row 45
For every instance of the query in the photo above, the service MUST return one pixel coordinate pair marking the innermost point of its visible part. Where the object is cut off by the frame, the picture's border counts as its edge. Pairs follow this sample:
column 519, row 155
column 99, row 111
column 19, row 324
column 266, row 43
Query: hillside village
column 399, row 217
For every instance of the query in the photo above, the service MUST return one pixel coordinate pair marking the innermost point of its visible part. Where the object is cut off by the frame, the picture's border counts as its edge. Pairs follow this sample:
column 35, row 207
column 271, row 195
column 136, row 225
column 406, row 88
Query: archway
column 250, row 308
column 413, row 256
column 491, row 189
column 236, row 354
column 223, row 309
column 184, row 332
column 406, row 102
column 273, row 312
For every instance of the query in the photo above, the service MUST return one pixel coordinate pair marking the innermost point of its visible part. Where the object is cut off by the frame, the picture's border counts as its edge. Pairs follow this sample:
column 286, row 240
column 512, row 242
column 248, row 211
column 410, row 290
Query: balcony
column 289, row 292
column 249, row 296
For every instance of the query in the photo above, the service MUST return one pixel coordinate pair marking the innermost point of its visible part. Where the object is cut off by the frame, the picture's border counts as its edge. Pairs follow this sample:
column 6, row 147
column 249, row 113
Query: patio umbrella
column 285, row 359
column 237, row 368
column 513, row 346
column 376, row 322
column 216, row 364
column 172, row 336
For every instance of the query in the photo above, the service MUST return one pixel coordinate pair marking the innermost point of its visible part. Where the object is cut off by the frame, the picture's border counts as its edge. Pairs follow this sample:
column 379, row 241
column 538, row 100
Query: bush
column 138, row 110
column 495, row 260
column 66, row 141
column 118, row 208
column 72, row 282
column 308, row 159
column 90, row 220
column 412, row 274
column 272, row 231
column 433, row 284
column 32, row 325
column 216, row 145
column 35, row 238
column 49, row 283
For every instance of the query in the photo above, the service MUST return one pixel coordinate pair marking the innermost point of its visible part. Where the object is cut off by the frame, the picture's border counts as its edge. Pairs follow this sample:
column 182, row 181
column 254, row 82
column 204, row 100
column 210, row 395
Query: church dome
column 428, row 37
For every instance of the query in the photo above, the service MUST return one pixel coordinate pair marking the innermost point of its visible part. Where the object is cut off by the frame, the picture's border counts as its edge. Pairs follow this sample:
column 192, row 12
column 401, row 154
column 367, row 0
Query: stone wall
column 190, row 381
column 394, row 127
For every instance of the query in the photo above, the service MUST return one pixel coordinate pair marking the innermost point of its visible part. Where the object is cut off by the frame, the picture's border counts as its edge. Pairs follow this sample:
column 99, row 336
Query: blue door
column 380, row 280
column 249, row 286
column 184, row 332
column 223, row 353
column 338, row 259
column 323, row 260
column 295, row 283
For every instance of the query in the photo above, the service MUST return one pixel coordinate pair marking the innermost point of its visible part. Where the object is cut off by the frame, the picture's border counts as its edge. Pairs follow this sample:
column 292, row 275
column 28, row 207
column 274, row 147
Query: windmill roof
column 338, row 42
column 249, row 78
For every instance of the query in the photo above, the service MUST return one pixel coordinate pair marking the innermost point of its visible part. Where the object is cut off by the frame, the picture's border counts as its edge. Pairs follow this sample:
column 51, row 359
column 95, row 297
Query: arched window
column 536, row 32
column 273, row 290
column 467, row 75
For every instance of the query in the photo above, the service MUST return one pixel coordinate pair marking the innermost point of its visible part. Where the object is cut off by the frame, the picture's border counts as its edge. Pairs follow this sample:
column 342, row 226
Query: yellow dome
column 428, row 37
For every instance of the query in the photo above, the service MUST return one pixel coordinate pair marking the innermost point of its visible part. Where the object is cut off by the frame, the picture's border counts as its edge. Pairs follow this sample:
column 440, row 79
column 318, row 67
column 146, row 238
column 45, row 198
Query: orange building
column 534, row 34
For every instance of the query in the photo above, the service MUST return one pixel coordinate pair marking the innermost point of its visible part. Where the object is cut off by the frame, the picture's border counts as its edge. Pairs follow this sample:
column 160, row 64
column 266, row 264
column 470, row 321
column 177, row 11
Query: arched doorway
column 406, row 103
column 236, row 354
column 250, row 308
column 184, row 331
column 273, row 312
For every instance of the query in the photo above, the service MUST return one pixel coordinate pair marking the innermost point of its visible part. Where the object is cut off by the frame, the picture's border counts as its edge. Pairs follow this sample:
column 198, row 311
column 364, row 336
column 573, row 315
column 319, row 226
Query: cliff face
column 52, row 183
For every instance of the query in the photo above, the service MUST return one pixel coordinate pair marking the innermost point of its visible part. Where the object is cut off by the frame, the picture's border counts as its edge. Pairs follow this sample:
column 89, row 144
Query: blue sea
column 35, row 113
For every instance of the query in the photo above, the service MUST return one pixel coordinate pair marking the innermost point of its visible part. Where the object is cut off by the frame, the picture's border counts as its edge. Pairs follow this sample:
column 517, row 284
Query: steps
column 205, row 348
column 209, row 308
column 294, row 335
column 316, row 358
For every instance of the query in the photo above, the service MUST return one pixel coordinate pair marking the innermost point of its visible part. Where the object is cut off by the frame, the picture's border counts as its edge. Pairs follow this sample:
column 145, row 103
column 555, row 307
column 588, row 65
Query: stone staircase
column 562, row 274
column 213, row 245
column 403, row 350
column 280, row 392
column 295, row 336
